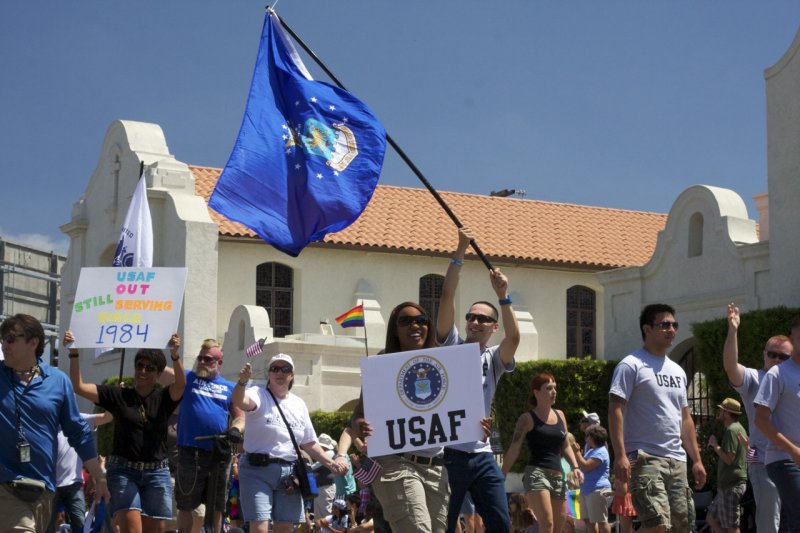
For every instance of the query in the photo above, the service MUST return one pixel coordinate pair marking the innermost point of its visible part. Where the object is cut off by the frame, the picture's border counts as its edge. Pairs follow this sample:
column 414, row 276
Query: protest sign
column 423, row 398
column 127, row 307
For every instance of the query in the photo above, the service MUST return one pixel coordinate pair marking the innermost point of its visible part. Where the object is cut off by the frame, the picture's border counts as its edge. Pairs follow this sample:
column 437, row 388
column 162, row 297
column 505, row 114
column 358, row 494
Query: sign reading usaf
column 127, row 307
column 423, row 398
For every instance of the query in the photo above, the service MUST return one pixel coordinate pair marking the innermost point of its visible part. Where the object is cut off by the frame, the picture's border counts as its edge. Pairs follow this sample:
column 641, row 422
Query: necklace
column 32, row 371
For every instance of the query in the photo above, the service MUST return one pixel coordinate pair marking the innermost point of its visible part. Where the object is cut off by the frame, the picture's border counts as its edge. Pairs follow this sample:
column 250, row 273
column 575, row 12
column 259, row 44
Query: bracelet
column 457, row 262
column 339, row 455
column 505, row 301
column 74, row 355
column 239, row 382
column 174, row 358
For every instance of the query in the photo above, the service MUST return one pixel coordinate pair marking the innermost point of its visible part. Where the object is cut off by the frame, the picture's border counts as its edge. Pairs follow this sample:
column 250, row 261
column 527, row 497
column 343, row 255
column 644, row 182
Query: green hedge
column 583, row 385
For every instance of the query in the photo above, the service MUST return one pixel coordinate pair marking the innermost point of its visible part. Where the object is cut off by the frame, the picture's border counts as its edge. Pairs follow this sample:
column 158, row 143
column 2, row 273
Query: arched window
column 430, row 291
column 696, row 235
column 581, row 322
column 274, row 286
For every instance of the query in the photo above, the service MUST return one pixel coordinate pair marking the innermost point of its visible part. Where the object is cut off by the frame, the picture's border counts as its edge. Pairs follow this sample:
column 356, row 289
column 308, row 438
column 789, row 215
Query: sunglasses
column 205, row 359
column 665, row 325
column 778, row 355
column 11, row 338
column 407, row 320
column 146, row 367
column 281, row 369
column 482, row 319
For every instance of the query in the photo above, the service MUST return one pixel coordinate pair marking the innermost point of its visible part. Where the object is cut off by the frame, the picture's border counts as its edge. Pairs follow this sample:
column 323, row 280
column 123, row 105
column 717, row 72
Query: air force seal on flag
column 422, row 383
column 337, row 144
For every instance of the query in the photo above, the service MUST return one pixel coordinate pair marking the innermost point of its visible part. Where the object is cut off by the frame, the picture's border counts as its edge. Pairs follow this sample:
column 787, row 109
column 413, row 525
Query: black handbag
column 303, row 479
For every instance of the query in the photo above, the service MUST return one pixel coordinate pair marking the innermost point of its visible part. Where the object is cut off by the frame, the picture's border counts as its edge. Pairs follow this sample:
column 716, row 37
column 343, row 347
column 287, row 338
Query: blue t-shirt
column 204, row 409
column 45, row 406
column 596, row 479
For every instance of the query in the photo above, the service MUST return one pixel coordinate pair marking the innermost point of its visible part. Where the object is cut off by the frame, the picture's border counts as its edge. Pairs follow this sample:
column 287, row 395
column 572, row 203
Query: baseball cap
column 282, row 357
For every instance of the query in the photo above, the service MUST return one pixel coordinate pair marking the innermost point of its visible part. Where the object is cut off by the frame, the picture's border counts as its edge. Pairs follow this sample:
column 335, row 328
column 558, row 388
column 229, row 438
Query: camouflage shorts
column 660, row 492
column 536, row 478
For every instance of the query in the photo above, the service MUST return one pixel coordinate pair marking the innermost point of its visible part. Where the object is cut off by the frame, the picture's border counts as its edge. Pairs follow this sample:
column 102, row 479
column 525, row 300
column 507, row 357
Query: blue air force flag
column 308, row 155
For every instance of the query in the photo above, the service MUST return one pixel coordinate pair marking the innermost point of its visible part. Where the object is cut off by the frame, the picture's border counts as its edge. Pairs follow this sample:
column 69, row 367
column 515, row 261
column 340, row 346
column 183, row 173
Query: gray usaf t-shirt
column 780, row 391
column 655, row 390
column 748, row 391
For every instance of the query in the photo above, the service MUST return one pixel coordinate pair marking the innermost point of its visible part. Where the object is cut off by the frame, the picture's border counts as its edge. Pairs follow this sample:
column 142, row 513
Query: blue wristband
column 505, row 301
column 457, row 262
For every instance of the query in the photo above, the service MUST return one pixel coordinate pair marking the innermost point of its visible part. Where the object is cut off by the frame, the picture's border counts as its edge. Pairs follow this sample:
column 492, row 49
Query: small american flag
column 368, row 471
column 752, row 456
column 254, row 349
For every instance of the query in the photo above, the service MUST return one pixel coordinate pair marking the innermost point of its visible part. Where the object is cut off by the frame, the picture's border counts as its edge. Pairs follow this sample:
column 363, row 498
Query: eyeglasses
column 778, row 355
column 482, row 319
column 407, row 320
column 146, row 367
column 665, row 325
column 281, row 369
column 205, row 359
column 11, row 338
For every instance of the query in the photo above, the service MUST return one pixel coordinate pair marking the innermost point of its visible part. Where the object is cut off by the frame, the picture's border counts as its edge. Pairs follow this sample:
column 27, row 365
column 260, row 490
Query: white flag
column 135, row 247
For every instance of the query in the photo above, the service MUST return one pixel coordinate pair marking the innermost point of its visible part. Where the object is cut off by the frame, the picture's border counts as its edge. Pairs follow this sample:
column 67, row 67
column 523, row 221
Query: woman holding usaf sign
column 412, row 488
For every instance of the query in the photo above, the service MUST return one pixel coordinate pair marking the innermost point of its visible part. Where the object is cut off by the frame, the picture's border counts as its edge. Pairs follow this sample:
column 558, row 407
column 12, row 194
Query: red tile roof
column 406, row 219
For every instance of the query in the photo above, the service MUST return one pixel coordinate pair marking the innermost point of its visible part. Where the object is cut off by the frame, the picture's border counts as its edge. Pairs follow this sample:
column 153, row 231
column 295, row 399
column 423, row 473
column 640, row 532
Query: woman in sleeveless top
column 545, row 430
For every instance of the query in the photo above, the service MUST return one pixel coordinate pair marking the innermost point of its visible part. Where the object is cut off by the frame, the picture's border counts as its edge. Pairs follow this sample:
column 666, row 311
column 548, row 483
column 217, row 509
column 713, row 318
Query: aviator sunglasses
column 665, row 325
column 482, row 319
column 778, row 355
column 407, row 320
column 281, row 369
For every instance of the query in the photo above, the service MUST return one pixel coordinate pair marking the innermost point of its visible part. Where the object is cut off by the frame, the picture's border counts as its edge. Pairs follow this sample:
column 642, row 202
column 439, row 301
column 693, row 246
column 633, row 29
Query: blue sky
column 616, row 103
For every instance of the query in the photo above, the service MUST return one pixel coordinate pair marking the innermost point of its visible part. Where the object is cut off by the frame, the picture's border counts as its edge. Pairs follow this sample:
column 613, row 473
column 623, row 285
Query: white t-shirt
column 655, row 391
column 780, row 392
column 69, row 467
column 265, row 431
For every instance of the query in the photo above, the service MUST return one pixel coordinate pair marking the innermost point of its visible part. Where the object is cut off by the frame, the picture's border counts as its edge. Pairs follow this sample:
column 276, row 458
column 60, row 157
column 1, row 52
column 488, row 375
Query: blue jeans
column 74, row 506
column 478, row 474
column 768, row 503
column 786, row 476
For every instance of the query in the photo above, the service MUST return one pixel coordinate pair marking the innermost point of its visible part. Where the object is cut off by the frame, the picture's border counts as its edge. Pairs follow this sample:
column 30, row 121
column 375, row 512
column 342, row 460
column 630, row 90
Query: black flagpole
column 393, row 144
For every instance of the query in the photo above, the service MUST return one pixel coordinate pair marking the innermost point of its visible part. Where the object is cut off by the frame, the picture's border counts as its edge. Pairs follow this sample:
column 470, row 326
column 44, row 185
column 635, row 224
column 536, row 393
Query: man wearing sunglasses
column 652, row 429
column 471, row 467
column 36, row 401
column 746, row 382
column 205, row 410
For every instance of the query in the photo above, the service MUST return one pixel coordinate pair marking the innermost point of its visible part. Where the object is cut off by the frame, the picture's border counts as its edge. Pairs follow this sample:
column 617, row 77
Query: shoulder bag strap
column 288, row 427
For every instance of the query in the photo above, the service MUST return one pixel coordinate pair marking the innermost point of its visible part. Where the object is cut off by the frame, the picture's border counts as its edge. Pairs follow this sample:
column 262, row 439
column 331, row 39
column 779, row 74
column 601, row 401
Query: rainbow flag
column 574, row 504
column 352, row 318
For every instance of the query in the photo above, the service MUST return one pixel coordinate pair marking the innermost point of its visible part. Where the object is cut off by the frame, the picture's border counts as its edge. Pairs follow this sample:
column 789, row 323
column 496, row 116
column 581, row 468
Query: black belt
column 459, row 452
column 263, row 459
column 137, row 465
column 420, row 460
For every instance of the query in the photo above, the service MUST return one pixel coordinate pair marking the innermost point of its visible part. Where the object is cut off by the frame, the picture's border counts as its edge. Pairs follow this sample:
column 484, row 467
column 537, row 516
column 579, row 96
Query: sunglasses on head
column 281, row 369
column 407, row 320
column 778, row 355
column 482, row 319
column 665, row 325
column 205, row 359
column 11, row 338
column 146, row 367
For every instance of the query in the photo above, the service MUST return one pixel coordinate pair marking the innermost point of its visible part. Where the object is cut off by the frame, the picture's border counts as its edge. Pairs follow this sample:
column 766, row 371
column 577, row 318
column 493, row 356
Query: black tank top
column 545, row 442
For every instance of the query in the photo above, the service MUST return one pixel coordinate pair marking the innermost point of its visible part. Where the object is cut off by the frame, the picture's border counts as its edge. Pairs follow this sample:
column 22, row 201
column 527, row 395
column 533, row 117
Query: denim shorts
column 148, row 491
column 536, row 478
column 263, row 495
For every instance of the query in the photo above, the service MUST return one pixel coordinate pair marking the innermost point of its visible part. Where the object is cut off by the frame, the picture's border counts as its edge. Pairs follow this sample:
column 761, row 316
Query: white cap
column 590, row 417
column 282, row 357
column 326, row 441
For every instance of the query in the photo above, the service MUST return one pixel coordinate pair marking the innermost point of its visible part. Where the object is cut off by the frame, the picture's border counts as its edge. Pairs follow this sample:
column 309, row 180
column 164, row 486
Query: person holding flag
column 471, row 467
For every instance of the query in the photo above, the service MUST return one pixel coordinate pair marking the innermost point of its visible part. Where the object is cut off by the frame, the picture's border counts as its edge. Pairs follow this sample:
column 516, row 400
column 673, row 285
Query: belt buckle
column 138, row 465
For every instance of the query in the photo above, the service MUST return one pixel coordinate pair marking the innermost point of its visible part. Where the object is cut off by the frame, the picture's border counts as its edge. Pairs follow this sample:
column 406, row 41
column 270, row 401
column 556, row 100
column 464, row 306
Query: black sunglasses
column 665, row 325
column 146, row 367
column 407, row 320
column 281, row 369
column 778, row 355
column 11, row 338
column 205, row 359
column 482, row 319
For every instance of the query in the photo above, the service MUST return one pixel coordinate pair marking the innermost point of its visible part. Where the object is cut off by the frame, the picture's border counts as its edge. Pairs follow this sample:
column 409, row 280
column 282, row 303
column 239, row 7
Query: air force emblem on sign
column 422, row 383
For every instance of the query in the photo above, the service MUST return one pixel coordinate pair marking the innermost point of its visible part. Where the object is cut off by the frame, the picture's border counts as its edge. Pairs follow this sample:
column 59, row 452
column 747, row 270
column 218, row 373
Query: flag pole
column 393, row 144
column 366, row 342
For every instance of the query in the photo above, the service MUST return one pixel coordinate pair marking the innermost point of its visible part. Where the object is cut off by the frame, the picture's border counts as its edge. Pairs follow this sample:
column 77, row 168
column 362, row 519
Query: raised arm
column 447, row 304
column 239, row 399
column 730, row 352
column 84, row 390
column 510, row 342
column 524, row 425
column 177, row 386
